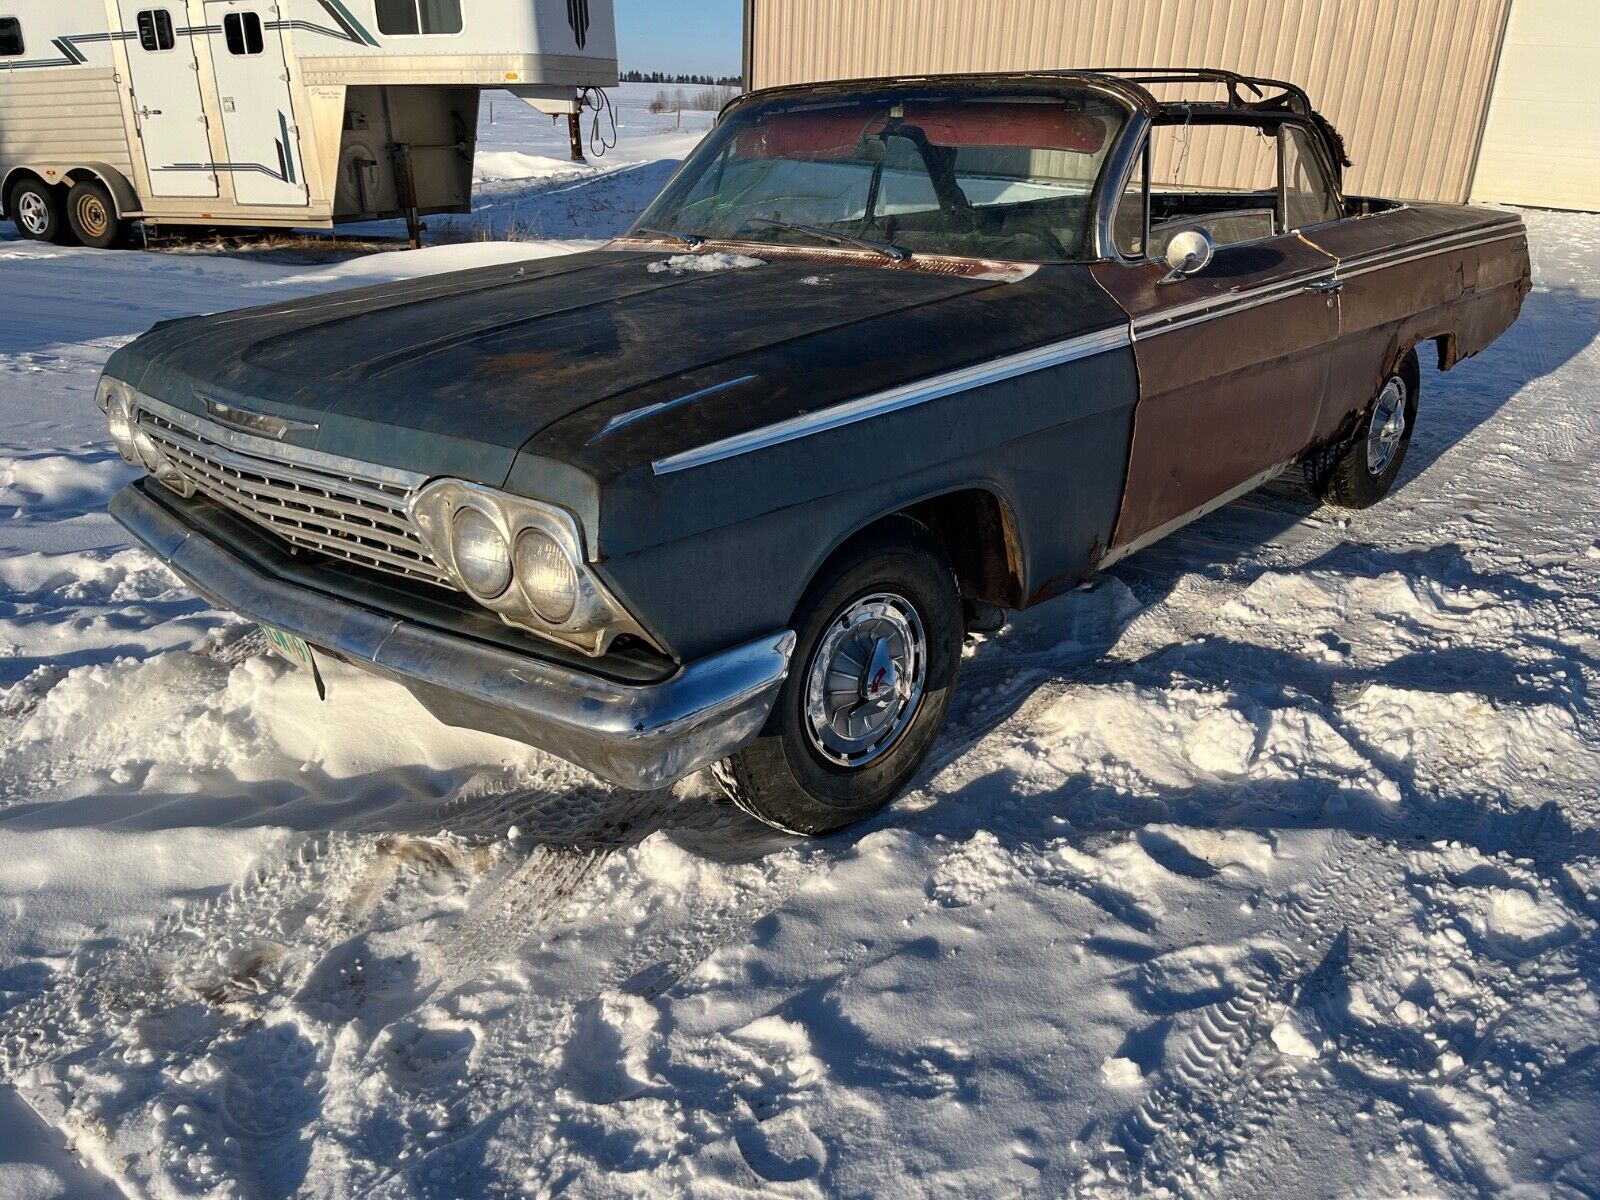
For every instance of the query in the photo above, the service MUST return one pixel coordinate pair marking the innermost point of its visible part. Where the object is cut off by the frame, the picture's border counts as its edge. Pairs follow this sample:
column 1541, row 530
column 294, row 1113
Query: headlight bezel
column 120, row 401
column 117, row 400
column 595, row 620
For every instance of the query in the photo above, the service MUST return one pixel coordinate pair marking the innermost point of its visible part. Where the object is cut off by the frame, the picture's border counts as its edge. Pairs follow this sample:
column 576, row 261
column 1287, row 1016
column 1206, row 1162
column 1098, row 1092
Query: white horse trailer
column 248, row 112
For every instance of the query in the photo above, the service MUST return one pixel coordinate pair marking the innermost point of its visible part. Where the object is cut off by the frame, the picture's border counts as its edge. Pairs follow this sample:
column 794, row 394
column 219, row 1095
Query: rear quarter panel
column 1413, row 274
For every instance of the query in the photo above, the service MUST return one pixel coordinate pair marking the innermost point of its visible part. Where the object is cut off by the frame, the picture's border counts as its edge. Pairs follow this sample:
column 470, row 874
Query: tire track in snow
column 1149, row 1146
column 1215, row 1080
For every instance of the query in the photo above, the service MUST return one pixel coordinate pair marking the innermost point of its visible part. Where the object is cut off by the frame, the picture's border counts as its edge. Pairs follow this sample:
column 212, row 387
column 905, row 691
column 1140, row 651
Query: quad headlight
column 521, row 559
column 547, row 575
column 482, row 558
column 115, row 399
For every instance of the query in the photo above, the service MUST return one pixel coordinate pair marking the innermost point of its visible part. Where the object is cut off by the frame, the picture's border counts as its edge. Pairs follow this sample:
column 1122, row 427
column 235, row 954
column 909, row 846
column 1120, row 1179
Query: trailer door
column 165, row 86
column 258, row 122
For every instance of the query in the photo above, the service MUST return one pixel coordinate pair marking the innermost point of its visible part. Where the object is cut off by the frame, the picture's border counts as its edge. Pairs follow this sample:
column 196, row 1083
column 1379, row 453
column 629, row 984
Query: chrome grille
column 345, row 513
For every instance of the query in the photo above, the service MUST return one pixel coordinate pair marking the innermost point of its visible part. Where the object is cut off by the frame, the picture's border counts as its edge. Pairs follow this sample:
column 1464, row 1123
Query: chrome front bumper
column 636, row 735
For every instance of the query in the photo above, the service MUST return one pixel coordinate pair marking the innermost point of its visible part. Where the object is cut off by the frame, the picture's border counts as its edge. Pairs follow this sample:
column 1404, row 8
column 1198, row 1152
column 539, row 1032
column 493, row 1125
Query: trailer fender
column 65, row 174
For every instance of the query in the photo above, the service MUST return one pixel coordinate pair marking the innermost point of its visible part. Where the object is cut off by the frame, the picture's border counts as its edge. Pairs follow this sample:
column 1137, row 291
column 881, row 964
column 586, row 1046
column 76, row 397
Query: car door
column 258, row 121
column 164, row 85
column 1232, row 360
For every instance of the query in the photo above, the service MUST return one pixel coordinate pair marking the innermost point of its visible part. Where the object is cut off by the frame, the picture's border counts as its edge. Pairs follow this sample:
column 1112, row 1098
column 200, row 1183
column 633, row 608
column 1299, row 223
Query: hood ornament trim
column 248, row 421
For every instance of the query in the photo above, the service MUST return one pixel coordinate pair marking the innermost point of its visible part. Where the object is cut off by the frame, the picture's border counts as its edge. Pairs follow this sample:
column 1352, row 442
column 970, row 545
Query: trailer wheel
column 36, row 208
column 94, row 216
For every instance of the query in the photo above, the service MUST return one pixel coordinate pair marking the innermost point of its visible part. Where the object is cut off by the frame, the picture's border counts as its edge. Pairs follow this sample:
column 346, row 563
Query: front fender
column 704, row 555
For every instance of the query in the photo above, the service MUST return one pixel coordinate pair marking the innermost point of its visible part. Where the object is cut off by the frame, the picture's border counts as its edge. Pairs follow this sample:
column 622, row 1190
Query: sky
column 689, row 37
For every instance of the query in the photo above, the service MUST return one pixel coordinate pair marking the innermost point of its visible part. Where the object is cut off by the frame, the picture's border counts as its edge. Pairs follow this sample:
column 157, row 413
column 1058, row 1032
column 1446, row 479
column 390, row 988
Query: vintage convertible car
column 883, row 360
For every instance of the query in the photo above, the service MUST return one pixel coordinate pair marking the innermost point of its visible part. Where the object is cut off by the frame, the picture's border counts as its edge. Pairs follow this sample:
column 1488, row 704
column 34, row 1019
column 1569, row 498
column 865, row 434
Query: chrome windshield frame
column 1102, row 196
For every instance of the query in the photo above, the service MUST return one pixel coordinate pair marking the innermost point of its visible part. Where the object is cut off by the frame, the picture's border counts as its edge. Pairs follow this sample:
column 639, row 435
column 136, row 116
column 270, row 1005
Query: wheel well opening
column 975, row 528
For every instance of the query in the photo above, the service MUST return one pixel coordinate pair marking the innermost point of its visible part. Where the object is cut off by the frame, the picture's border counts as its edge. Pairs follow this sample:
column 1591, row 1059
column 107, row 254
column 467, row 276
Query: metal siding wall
column 1405, row 81
column 60, row 113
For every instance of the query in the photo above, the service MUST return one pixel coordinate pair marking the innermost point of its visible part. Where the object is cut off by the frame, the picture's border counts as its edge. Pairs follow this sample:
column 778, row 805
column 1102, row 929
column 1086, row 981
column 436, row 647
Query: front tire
column 878, row 646
column 37, row 210
column 1366, row 469
column 93, row 215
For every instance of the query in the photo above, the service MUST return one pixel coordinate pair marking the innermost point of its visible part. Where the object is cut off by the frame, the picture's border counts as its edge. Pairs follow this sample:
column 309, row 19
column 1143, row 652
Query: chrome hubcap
column 1387, row 427
column 865, row 681
column 34, row 212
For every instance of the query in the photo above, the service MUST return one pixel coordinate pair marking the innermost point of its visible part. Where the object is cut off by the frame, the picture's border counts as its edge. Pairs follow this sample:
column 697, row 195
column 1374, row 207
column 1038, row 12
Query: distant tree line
column 706, row 99
column 663, row 77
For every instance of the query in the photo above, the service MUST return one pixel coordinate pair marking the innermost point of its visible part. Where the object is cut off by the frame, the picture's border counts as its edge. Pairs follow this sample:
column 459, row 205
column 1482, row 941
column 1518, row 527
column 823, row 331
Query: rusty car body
column 884, row 359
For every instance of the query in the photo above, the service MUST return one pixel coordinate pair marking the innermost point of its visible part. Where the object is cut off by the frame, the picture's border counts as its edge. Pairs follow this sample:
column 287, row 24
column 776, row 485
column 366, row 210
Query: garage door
column 1542, row 142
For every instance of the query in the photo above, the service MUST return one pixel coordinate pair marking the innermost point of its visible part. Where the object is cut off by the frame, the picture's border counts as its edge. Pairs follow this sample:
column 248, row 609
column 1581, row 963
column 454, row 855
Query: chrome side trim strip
column 1366, row 266
column 895, row 399
column 1227, row 299
column 285, row 452
column 623, row 420
column 1181, row 317
column 1169, row 321
column 1118, row 553
column 1434, row 245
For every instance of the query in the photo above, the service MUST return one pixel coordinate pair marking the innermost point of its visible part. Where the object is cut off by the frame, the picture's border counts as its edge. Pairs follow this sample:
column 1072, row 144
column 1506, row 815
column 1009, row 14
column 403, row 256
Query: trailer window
column 155, row 29
column 243, row 33
column 409, row 17
column 10, row 37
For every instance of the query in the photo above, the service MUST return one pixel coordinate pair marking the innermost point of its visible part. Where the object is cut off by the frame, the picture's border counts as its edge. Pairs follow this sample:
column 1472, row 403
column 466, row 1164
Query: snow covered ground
column 1268, row 865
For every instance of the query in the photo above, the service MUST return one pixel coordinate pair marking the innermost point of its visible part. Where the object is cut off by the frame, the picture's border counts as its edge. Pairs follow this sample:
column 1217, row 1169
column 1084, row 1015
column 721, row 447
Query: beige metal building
column 1493, row 100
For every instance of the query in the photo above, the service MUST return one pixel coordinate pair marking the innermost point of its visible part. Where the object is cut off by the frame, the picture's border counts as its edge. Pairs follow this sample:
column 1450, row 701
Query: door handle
column 149, row 112
column 1329, row 287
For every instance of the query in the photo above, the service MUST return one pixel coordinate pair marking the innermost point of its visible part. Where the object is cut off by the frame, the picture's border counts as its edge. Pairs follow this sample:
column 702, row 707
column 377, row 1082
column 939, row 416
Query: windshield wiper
column 887, row 249
column 692, row 240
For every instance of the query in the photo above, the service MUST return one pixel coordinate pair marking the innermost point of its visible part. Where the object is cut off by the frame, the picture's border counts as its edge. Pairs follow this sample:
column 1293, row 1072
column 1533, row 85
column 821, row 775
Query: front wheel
column 1367, row 467
column 878, row 645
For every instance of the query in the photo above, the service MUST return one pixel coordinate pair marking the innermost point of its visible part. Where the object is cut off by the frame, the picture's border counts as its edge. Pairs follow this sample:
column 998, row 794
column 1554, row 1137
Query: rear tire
column 93, row 215
column 878, row 645
column 38, row 212
column 1365, row 470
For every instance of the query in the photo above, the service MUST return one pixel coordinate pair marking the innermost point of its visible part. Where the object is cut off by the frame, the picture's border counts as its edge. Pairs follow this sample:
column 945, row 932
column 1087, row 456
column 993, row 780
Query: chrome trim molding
column 247, row 420
column 267, row 447
column 1196, row 311
column 636, row 735
column 622, row 420
column 1117, row 553
column 895, row 399
column 1406, row 254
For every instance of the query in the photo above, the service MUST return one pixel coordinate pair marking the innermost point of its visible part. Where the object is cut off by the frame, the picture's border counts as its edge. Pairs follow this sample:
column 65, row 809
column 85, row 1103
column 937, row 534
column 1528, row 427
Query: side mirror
column 1188, row 253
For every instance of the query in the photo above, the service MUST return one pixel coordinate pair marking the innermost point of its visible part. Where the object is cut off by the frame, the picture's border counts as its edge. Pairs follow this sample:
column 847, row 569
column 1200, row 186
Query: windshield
column 994, row 175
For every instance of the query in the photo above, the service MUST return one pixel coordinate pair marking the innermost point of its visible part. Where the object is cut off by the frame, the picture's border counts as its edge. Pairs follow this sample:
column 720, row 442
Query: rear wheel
column 1366, row 469
column 36, row 208
column 94, row 216
column 879, row 641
